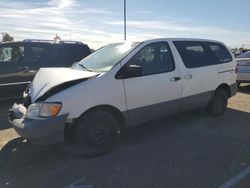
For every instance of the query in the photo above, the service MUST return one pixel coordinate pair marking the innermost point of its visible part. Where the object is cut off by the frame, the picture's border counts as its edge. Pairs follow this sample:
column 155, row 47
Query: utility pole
column 125, row 29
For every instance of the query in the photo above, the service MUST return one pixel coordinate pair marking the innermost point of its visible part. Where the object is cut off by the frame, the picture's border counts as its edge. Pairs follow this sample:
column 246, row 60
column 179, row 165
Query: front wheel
column 96, row 133
column 218, row 104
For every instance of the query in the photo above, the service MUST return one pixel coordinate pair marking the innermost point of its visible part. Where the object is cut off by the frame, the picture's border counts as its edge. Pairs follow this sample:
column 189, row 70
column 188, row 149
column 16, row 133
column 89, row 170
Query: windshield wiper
column 84, row 67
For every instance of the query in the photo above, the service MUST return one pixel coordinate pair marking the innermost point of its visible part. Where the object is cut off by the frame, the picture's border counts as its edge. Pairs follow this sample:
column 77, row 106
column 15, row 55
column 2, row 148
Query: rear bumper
column 243, row 76
column 41, row 131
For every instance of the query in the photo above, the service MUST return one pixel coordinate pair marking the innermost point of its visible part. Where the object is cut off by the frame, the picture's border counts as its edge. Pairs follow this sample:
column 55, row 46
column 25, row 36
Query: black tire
column 218, row 105
column 238, row 84
column 96, row 133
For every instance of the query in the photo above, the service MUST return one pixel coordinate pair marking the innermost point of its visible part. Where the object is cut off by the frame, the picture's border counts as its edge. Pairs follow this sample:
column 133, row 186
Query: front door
column 157, row 91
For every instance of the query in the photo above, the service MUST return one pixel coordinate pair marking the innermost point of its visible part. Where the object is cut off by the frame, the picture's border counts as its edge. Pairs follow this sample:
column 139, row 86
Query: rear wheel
column 218, row 104
column 96, row 133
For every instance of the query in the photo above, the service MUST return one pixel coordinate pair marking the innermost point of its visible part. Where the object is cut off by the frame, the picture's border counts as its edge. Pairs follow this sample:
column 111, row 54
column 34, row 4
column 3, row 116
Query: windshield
column 106, row 57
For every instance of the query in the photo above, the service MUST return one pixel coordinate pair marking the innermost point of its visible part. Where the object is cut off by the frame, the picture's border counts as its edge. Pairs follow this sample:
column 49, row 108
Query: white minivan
column 121, row 85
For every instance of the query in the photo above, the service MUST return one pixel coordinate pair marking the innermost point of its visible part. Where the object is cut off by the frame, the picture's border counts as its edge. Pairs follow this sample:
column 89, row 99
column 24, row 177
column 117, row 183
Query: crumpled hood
column 48, row 78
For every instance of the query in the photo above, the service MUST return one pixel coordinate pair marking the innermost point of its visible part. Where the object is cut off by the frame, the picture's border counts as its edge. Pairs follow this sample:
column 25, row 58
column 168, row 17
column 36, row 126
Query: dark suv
column 19, row 61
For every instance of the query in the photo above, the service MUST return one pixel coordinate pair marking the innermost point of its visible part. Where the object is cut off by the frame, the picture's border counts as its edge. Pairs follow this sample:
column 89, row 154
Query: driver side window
column 154, row 58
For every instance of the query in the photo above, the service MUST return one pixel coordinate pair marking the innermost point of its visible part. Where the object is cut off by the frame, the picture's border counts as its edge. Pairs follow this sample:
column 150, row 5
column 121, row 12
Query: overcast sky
column 98, row 22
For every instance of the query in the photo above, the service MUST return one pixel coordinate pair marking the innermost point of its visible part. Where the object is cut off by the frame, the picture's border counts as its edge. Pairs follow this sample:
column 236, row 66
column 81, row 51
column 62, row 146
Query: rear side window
column 71, row 53
column 199, row 54
column 220, row 53
column 41, row 55
column 193, row 54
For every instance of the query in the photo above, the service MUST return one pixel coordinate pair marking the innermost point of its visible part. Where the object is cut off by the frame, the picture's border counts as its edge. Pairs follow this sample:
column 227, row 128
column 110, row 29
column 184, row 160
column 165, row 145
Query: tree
column 7, row 37
column 57, row 38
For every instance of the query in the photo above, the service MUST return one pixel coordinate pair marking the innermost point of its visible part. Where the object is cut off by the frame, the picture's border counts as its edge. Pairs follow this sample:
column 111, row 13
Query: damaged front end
column 40, row 121
column 58, row 88
column 40, row 130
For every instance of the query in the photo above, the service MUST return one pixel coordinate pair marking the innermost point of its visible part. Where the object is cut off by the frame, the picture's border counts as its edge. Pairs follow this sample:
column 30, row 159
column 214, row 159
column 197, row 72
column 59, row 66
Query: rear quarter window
column 220, row 53
column 71, row 53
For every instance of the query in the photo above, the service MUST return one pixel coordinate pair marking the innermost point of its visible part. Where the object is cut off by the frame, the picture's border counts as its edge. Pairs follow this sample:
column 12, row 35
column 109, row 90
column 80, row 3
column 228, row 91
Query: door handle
column 188, row 76
column 175, row 79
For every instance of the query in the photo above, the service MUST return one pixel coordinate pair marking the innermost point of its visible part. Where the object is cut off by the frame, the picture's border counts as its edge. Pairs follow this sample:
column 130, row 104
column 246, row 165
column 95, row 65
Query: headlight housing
column 43, row 110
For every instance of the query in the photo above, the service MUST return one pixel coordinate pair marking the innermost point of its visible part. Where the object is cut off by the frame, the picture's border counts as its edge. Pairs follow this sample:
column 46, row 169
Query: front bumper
column 42, row 131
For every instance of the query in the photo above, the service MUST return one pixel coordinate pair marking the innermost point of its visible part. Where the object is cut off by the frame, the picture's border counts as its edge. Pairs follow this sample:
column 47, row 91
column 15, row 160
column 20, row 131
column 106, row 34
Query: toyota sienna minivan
column 122, row 85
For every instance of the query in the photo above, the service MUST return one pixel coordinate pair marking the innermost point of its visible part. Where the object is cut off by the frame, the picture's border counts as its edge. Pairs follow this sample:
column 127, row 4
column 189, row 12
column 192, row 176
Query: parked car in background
column 122, row 85
column 19, row 61
column 243, row 61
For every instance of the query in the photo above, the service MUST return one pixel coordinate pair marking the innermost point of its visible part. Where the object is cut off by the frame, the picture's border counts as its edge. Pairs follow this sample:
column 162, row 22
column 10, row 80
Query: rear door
column 199, row 76
column 205, row 65
column 157, row 91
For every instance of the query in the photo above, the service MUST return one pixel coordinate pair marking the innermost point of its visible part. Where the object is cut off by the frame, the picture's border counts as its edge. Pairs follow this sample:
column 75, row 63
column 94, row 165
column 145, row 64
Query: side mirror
column 129, row 72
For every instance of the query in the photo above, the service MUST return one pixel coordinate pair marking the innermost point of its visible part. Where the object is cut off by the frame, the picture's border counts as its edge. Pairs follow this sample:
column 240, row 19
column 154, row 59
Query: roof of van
column 173, row 39
column 182, row 39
